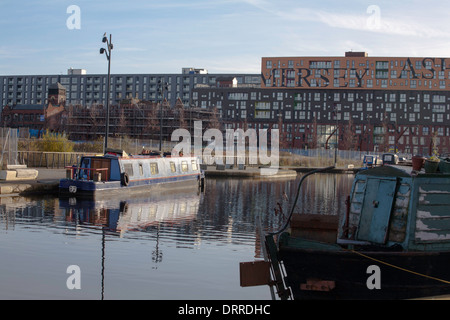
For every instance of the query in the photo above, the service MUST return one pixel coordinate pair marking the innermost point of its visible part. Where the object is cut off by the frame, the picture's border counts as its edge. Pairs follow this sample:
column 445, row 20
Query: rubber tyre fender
column 125, row 179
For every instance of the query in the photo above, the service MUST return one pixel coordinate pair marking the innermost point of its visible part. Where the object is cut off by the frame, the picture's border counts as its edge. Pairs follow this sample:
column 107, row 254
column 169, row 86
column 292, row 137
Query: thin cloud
column 379, row 25
column 371, row 20
column 131, row 49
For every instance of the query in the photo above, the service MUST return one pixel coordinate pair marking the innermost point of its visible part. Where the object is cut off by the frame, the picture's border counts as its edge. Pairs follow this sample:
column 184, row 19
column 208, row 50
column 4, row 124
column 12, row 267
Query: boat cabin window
column 128, row 167
column 154, row 168
column 172, row 167
column 85, row 163
column 184, row 166
column 194, row 165
column 141, row 169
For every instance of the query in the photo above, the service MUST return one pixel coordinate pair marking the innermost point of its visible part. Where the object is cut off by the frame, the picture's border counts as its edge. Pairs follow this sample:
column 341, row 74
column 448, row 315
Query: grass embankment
column 293, row 160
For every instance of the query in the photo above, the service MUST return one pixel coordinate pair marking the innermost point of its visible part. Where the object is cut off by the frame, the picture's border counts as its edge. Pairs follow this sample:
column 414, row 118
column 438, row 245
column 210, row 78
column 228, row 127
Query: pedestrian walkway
column 47, row 182
column 249, row 172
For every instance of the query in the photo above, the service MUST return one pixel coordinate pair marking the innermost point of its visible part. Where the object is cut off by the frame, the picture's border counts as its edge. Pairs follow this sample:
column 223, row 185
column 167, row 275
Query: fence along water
column 288, row 157
column 314, row 158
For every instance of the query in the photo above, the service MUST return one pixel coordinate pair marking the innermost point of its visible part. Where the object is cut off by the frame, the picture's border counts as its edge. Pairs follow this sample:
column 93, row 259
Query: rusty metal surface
column 255, row 273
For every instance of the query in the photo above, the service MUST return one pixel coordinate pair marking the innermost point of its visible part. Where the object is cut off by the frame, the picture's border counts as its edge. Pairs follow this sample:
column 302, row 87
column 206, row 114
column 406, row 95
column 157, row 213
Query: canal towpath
column 47, row 182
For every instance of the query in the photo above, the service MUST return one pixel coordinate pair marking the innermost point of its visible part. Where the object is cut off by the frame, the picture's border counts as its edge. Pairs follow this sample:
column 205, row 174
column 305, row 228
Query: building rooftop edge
column 343, row 57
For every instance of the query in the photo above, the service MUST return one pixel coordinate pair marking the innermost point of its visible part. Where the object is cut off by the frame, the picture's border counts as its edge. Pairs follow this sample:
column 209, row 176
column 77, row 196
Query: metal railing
column 90, row 173
column 54, row 160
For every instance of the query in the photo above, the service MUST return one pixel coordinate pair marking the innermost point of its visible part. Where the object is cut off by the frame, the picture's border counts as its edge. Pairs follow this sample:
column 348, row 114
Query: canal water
column 178, row 246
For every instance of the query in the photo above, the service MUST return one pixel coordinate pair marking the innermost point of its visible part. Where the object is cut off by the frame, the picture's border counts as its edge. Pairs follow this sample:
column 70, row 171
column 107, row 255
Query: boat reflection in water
column 118, row 216
column 133, row 213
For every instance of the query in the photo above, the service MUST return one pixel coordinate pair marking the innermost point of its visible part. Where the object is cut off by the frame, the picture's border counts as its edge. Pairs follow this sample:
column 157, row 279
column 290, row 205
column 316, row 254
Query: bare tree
column 312, row 136
column 123, row 123
column 283, row 144
column 93, row 120
column 384, row 145
column 349, row 140
column 179, row 113
column 214, row 122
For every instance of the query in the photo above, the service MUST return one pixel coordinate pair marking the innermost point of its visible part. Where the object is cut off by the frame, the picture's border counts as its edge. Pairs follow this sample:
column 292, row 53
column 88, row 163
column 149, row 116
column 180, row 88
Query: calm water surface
column 169, row 246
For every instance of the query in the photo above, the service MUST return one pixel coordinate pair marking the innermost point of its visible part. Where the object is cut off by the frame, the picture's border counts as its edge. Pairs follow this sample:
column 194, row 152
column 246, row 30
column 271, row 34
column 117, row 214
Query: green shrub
column 54, row 142
column 89, row 146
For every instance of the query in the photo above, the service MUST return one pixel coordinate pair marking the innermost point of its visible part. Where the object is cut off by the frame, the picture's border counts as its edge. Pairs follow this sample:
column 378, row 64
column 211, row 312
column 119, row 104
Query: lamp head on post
column 109, row 46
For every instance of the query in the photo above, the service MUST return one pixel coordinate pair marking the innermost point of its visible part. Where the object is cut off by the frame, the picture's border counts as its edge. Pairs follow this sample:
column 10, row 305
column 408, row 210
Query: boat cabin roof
column 387, row 170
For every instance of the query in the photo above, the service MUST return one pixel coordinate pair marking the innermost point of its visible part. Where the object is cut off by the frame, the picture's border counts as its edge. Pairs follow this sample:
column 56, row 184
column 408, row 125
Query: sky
column 222, row 36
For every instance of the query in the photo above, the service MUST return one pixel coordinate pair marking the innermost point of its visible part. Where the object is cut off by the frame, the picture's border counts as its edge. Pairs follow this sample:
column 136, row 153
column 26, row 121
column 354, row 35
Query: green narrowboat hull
column 392, row 243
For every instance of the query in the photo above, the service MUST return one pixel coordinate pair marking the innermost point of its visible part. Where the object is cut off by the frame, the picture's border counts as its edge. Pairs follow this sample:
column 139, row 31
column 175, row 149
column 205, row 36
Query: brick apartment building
column 37, row 117
column 375, row 103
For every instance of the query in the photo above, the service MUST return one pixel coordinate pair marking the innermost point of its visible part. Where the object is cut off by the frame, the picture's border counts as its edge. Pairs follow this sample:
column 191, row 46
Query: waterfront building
column 354, row 101
column 36, row 117
column 89, row 89
column 356, row 70
column 145, row 120
column 29, row 102
column 373, row 103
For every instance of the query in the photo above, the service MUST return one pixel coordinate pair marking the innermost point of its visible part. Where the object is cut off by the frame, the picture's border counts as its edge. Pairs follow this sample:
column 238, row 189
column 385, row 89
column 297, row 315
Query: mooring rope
column 397, row 267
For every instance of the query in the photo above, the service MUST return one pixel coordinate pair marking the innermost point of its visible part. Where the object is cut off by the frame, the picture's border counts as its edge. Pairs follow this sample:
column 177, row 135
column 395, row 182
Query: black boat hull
column 349, row 274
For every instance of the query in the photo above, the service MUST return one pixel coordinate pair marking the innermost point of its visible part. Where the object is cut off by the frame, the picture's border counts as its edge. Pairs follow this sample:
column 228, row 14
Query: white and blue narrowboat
column 116, row 172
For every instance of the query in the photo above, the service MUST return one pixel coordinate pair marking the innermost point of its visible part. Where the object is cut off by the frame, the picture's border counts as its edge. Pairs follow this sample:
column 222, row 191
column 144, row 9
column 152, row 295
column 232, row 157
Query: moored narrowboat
column 393, row 241
column 116, row 172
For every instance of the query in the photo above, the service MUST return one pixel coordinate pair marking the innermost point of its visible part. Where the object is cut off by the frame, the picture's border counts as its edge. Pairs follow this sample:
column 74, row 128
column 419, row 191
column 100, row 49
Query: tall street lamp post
column 161, row 87
column 336, row 135
column 107, row 52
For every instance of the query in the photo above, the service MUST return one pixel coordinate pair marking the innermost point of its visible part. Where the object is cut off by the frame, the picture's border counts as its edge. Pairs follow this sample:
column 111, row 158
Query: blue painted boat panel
column 419, row 218
column 115, row 170
column 376, row 211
